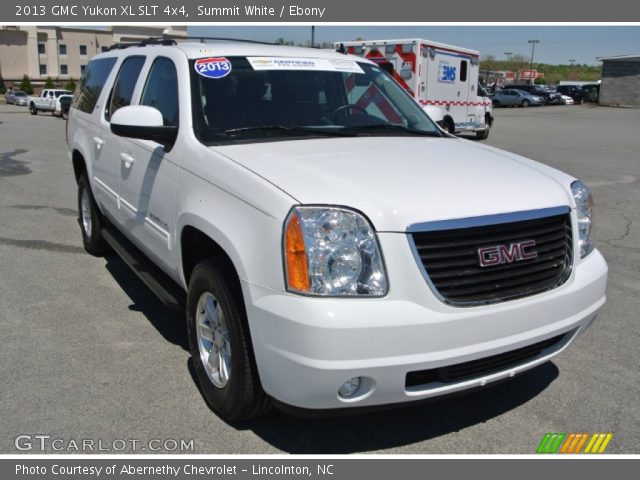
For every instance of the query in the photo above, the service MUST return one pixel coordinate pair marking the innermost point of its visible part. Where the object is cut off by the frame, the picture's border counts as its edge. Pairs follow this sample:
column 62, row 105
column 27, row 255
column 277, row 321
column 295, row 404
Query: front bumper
column 306, row 347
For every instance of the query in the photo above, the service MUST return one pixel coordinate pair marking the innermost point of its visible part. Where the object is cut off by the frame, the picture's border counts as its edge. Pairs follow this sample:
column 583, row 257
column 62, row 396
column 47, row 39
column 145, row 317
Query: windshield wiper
column 386, row 127
column 294, row 130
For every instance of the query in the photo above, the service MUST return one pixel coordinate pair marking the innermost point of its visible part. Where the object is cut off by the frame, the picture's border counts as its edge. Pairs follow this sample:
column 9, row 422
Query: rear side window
column 92, row 82
column 161, row 90
column 463, row 70
column 125, row 84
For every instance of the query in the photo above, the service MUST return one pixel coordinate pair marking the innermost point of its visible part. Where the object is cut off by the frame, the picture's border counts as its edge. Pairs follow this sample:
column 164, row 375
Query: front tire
column 89, row 219
column 525, row 103
column 220, row 344
column 32, row 109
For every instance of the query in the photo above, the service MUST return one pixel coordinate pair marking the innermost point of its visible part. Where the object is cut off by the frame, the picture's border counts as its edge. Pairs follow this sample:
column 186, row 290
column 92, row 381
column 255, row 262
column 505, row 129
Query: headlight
column 332, row 251
column 584, row 212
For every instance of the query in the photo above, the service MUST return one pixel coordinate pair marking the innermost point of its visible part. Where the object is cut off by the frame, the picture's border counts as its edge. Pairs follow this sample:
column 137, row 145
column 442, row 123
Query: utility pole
column 313, row 35
column 533, row 47
column 572, row 61
column 508, row 55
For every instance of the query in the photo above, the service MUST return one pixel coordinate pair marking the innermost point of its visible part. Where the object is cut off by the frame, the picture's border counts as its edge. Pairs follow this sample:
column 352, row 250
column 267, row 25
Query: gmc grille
column 451, row 263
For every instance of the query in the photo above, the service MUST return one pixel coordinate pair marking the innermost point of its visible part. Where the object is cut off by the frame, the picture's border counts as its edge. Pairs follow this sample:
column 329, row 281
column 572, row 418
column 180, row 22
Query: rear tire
column 482, row 135
column 220, row 344
column 448, row 126
column 89, row 219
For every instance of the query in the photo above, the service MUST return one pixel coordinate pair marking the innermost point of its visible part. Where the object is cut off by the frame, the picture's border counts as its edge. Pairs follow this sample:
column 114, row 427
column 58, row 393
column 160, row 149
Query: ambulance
column 442, row 78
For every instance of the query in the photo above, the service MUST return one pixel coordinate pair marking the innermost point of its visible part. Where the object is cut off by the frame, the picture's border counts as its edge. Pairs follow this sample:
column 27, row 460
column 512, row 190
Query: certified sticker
column 213, row 67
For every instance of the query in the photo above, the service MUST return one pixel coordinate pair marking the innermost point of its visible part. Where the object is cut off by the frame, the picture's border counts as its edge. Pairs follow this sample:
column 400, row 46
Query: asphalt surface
column 87, row 352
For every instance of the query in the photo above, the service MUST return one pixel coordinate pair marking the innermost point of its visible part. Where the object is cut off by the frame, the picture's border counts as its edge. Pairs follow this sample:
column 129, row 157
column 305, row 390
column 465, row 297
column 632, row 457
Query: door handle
column 99, row 142
column 127, row 159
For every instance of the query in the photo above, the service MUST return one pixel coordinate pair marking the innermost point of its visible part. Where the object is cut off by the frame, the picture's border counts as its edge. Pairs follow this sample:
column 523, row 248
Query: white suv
column 332, row 246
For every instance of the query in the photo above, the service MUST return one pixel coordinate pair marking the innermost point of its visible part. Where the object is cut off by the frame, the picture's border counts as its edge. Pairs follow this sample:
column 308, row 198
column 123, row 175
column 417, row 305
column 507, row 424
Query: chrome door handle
column 127, row 159
column 99, row 142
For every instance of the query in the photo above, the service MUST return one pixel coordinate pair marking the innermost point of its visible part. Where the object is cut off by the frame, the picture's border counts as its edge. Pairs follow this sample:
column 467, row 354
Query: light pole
column 533, row 47
column 508, row 55
column 572, row 61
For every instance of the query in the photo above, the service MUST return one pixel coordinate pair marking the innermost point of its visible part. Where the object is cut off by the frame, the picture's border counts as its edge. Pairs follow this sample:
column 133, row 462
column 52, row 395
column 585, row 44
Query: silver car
column 20, row 98
column 512, row 97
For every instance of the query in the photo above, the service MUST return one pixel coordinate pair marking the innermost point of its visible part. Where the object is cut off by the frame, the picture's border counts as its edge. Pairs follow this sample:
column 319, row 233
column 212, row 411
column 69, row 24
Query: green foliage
column 25, row 85
column 553, row 73
column 3, row 87
column 70, row 85
column 49, row 83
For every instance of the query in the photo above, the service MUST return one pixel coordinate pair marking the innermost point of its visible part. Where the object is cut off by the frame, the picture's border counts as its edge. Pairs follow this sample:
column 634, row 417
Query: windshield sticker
column 213, row 67
column 313, row 64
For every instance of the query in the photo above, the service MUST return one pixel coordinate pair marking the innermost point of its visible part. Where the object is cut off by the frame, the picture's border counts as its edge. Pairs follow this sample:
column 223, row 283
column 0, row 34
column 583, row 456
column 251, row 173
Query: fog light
column 350, row 388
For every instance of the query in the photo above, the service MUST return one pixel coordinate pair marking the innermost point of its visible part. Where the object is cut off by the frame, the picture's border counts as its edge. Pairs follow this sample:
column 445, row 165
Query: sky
column 558, row 44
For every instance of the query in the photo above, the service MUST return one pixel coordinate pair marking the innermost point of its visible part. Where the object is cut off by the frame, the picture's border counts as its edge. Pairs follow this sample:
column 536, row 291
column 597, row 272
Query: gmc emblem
column 499, row 254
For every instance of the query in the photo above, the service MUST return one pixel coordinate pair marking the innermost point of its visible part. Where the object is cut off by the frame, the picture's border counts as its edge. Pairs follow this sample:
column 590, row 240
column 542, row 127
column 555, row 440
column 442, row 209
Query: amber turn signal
column 296, row 257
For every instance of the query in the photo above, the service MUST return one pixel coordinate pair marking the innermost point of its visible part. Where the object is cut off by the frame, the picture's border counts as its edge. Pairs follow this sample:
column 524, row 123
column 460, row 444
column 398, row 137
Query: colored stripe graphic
column 598, row 443
column 572, row 443
column 550, row 443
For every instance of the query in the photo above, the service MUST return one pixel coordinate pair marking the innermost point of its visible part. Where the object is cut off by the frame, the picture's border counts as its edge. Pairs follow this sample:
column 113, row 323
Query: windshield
column 253, row 102
column 19, row 94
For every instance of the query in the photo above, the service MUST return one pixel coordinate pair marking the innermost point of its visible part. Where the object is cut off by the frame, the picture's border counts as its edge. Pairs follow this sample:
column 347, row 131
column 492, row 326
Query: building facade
column 620, row 81
column 62, row 52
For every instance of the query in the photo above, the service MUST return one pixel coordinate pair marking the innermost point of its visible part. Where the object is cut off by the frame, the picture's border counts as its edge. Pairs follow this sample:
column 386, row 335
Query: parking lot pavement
column 88, row 353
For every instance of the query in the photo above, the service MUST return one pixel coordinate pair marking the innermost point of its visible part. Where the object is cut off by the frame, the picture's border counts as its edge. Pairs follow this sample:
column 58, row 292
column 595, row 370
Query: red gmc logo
column 499, row 254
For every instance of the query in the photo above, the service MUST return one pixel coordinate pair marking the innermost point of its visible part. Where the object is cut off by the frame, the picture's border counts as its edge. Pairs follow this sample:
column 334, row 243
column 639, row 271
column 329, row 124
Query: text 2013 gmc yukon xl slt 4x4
column 332, row 246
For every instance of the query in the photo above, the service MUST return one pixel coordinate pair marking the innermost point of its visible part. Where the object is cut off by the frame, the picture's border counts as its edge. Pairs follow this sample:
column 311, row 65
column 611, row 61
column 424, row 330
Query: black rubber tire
column 33, row 110
column 482, row 135
column 242, row 397
column 93, row 242
column 525, row 103
column 447, row 126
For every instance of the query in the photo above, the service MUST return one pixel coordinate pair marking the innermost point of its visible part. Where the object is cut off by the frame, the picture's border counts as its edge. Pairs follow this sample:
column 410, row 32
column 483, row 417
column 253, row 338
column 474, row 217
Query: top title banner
column 313, row 11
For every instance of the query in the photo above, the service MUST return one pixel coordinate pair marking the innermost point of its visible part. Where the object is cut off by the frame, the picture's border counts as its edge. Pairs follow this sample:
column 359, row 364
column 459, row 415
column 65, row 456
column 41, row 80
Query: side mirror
column 145, row 123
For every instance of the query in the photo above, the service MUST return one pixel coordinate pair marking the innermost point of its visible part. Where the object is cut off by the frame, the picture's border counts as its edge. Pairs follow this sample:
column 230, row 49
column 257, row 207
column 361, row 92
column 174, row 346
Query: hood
column 400, row 181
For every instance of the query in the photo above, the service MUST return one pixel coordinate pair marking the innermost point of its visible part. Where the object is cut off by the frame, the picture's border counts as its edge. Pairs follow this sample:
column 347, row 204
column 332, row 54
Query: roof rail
column 143, row 43
column 202, row 39
column 167, row 40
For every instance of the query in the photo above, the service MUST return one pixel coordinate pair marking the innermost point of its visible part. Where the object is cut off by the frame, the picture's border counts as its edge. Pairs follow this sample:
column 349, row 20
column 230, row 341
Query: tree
column 49, row 83
column 70, row 85
column 3, row 87
column 283, row 41
column 25, row 85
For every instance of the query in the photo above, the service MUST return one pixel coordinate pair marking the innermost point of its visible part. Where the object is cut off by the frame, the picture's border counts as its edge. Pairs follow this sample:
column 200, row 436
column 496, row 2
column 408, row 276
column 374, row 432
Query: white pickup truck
column 50, row 100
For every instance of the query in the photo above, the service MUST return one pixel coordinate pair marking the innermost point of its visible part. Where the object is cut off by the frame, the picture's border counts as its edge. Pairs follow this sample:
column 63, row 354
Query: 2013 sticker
column 213, row 67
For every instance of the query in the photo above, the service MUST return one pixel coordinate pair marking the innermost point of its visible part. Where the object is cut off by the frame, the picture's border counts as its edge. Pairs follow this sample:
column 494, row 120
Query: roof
column 396, row 41
column 193, row 50
column 623, row 58
column 238, row 49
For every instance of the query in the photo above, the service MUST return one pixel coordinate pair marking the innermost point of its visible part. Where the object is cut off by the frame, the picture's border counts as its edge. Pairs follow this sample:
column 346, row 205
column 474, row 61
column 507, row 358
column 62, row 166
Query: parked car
column 551, row 97
column 574, row 91
column 48, row 101
column 512, row 97
column 17, row 98
column 567, row 100
column 332, row 246
column 8, row 96
column 591, row 93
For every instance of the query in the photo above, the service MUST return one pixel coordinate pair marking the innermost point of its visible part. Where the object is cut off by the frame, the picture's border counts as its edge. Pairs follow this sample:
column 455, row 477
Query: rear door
column 107, row 166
